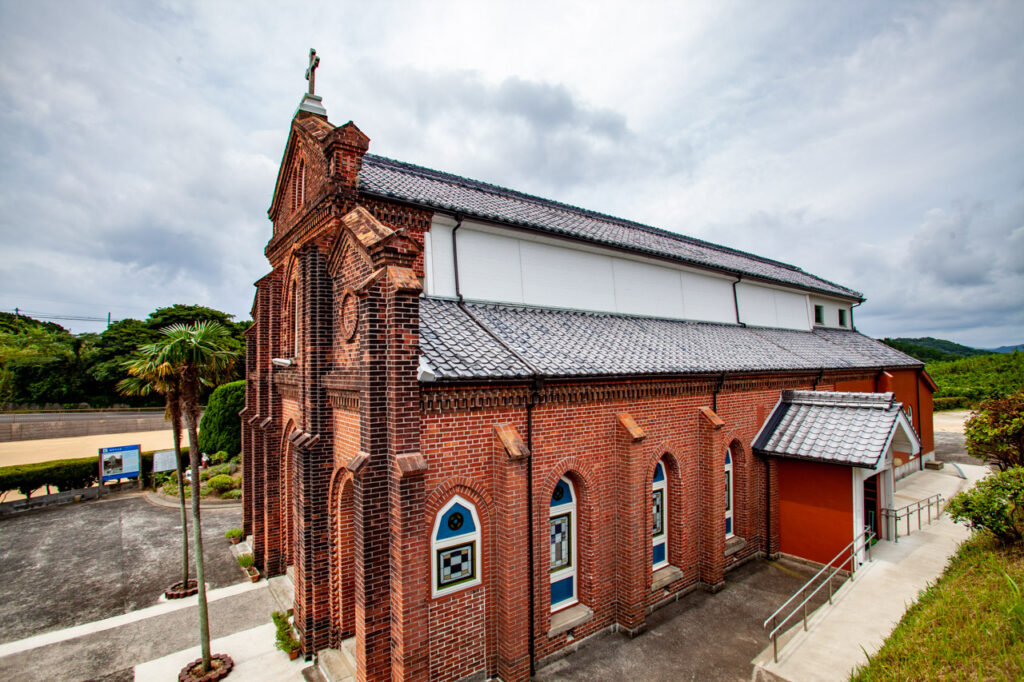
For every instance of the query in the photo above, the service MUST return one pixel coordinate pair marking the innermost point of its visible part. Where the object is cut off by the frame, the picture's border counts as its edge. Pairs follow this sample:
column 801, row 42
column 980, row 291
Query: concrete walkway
column 867, row 608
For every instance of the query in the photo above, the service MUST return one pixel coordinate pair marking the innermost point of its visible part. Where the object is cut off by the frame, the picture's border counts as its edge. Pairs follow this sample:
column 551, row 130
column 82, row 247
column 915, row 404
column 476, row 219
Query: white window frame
column 730, row 484
column 662, row 539
column 446, row 543
column 569, row 571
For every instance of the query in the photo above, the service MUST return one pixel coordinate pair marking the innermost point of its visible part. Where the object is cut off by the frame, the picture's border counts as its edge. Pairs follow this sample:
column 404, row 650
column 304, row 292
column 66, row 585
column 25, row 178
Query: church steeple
column 311, row 102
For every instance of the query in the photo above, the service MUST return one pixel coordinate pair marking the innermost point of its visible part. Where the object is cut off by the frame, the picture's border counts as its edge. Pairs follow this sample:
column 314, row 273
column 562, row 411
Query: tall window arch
column 659, row 518
column 299, row 183
column 728, row 493
column 455, row 548
column 294, row 319
column 563, row 539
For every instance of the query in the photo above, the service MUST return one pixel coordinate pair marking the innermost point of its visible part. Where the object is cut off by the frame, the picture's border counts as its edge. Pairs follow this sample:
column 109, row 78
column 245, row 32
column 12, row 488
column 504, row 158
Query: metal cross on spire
column 314, row 62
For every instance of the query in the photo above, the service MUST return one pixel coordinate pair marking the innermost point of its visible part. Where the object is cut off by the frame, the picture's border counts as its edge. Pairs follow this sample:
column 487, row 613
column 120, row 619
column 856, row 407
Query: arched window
column 298, row 183
column 455, row 559
column 728, row 493
column 562, row 526
column 659, row 517
column 294, row 321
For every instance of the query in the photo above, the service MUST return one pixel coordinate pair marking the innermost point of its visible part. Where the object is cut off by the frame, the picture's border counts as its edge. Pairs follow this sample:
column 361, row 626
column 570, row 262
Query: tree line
column 43, row 364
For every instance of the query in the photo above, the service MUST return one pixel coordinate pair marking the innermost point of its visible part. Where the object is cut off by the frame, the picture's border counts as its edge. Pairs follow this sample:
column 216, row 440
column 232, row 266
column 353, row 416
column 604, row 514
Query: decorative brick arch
column 680, row 498
column 287, row 495
column 580, row 470
column 342, row 556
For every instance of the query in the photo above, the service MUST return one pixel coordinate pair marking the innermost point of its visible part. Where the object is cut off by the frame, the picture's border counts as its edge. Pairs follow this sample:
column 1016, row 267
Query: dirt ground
column 950, row 421
column 29, row 451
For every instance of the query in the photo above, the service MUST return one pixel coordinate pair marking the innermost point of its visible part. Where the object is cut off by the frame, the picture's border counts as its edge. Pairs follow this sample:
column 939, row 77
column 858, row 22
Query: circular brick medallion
column 349, row 315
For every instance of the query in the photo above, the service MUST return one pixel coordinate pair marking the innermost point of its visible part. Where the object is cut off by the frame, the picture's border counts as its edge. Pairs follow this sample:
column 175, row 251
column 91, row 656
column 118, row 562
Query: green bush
column 954, row 403
column 235, row 494
column 233, row 533
column 995, row 504
column 245, row 560
column 221, row 427
column 220, row 483
column 220, row 457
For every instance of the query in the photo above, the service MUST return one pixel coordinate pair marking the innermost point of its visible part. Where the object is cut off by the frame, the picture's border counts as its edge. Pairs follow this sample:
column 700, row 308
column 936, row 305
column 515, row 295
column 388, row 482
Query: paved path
column 68, row 565
column 109, row 649
column 866, row 609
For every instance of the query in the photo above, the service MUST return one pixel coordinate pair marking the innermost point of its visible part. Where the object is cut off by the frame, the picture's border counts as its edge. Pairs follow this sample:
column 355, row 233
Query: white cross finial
column 314, row 62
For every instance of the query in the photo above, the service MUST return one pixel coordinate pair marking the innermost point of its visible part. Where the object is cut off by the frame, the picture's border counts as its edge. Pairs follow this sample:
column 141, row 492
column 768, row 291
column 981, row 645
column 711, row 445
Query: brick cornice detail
column 343, row 400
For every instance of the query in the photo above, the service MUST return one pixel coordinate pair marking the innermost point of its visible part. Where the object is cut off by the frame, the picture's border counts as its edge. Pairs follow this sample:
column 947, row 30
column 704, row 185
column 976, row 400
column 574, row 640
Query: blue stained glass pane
column 659, row 553
column 456, row 521
column 562, row 590
column 728, row 526
column 728, row 456
column 659, row 473
column 562, row 494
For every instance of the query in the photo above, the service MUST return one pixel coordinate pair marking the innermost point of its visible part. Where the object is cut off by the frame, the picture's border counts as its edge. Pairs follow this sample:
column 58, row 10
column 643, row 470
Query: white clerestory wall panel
column 508, row 266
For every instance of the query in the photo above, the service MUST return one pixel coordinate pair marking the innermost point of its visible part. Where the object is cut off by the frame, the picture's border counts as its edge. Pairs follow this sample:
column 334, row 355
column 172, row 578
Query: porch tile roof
column 392, row 179
column 569, row 343
column 833, row 427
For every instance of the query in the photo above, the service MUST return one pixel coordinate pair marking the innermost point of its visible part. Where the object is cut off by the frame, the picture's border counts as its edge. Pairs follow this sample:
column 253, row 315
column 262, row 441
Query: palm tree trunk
column 193, row 455
column 175, row 409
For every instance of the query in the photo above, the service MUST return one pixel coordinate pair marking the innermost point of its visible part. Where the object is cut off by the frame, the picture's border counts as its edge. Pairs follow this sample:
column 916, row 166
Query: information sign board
column 164, row 460
column 121, row 461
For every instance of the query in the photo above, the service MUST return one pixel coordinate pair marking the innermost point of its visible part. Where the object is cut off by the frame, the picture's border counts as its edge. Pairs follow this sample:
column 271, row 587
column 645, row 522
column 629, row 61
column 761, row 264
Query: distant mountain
column 928, row 349
column 1007, row 349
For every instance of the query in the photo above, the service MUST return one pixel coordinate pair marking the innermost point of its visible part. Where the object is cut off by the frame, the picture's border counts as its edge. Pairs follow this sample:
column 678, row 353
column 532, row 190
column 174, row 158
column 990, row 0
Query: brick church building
column 482, row 427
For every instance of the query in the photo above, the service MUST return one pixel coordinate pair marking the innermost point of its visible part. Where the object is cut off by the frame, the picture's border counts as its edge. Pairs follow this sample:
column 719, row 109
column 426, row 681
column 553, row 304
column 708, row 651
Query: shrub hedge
column 62, row 474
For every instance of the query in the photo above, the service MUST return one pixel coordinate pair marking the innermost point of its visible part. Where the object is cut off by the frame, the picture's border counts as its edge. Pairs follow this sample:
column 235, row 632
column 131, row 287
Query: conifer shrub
column 221, row 427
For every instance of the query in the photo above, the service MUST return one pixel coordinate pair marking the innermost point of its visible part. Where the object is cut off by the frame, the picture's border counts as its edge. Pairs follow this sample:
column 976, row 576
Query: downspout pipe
column 817, row 380
column 532, row 402
column 455, row 256
column 714, row 396
column 736, row 299
column 853, row 327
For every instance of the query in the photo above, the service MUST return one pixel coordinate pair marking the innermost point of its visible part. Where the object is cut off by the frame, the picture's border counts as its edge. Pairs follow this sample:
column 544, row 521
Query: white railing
column 921, row 506
column 862, row 541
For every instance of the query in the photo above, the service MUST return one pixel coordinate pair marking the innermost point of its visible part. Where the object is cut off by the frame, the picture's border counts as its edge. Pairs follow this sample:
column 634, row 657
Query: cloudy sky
column 876, row 144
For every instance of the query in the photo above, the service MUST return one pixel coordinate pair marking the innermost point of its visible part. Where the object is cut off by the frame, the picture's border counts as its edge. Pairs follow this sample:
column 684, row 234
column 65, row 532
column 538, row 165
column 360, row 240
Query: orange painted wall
column 815, row 508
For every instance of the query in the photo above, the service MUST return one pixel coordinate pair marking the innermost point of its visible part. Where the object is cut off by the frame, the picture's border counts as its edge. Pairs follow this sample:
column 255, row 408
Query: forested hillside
column 928, row 349
column 41, row 363
column 964, row 382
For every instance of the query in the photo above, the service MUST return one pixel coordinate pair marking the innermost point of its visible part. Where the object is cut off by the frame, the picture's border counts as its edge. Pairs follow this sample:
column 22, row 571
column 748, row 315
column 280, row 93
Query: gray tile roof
column 838, row 428
column 567, row 343
column 393, row 179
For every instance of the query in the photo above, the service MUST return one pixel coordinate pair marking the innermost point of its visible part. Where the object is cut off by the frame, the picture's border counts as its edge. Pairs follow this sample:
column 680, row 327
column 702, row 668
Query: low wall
column 58, row 428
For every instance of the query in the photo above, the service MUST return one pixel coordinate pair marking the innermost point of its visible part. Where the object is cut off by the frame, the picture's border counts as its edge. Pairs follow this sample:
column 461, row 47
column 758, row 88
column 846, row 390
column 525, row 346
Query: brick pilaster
column 711, row 482
column 632, row 529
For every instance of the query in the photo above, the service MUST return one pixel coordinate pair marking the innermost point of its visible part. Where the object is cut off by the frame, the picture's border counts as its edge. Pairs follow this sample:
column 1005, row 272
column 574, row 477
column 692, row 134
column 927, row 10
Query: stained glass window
column 659, row 536
column 456, row 547
column 728, row 493
column 562, row 544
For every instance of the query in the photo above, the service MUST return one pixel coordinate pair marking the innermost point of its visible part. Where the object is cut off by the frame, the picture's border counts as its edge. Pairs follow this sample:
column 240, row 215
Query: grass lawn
column 969, row 625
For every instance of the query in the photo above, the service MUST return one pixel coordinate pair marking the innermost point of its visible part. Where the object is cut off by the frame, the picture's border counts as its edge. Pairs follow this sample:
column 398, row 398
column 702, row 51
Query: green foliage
column 219, row 457
column 235, row 494
column 42, row 363
column 995, row 432
column 928, row 349
column 218, row 470
column 995, row 504
column 233, row 533
column 221, row 428
column 979, row 378
column 965, row 626
column 62, row 474
column 245, row 560
column 220, row 483
column 285, row 638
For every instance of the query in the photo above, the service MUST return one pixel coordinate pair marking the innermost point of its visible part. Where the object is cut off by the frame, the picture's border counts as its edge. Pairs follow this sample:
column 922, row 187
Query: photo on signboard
column 113, row 464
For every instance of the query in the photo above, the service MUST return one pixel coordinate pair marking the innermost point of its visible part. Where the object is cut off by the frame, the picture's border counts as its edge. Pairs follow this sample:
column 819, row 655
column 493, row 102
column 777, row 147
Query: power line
column 57, row 316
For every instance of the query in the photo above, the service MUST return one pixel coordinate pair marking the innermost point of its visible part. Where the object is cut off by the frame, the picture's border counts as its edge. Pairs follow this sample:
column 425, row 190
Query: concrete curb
column 161, row 500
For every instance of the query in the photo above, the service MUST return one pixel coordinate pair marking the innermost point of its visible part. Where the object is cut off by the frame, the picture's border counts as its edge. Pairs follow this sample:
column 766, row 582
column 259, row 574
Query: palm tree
column 197, row 354
column 149, row 376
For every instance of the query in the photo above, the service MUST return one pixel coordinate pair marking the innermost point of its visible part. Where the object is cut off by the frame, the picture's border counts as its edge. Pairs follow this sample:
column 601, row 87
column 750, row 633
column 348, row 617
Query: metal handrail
column 905, row 512
column 865, row 539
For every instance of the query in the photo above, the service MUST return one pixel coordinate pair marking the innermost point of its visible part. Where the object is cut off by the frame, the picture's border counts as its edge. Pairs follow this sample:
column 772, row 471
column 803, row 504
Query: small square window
column 455, row 565
column 842, row 317
column 819, row 314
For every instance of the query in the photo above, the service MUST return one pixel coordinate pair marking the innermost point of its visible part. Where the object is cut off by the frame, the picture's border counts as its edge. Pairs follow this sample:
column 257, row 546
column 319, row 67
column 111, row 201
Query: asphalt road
column 77, row 563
